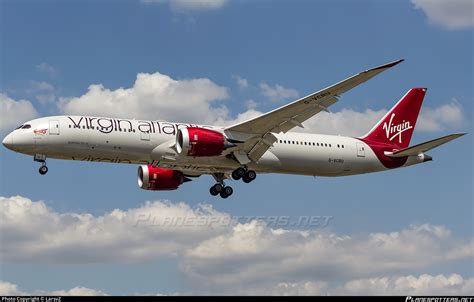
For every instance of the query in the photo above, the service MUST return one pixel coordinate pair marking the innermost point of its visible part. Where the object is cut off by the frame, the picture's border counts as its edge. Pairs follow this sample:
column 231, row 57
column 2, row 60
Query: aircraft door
column 145, row 135
column 53, row 128
column 360, row 150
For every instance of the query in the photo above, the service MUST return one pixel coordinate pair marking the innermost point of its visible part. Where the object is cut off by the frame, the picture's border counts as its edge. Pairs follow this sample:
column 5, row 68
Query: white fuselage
column 148, row 142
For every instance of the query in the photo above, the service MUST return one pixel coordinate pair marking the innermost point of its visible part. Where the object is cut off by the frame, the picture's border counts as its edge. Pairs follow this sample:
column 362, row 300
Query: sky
column 87, row 228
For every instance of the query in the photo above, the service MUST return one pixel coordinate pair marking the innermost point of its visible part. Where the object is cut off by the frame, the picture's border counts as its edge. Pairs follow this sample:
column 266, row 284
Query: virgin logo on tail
column 392, row 131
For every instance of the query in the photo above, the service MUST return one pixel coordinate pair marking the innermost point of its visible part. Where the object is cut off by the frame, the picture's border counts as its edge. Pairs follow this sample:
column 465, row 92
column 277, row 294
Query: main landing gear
column 225, row 191
column 42, row 159
column 244, row 174
column 220, row 188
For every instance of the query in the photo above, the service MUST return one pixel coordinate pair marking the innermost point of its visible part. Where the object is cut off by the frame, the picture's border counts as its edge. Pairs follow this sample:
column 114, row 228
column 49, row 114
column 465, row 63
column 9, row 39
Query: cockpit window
column 19, row 127
column 26, row 126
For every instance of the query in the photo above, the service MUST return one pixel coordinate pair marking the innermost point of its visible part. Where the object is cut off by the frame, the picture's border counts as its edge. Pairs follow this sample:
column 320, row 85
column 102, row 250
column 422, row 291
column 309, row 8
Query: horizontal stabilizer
column 423, row 147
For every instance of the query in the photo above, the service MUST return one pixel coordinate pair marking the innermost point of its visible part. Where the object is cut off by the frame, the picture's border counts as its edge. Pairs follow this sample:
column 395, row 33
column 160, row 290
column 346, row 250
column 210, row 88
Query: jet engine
column 195, row 141
column 159, row 179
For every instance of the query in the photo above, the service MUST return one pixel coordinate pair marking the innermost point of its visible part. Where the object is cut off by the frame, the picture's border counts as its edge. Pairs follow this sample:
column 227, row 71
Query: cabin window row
column 308, row 143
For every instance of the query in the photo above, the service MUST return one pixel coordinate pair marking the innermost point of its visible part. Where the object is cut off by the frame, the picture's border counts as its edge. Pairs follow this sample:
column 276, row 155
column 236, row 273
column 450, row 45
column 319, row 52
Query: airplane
column 170, row 154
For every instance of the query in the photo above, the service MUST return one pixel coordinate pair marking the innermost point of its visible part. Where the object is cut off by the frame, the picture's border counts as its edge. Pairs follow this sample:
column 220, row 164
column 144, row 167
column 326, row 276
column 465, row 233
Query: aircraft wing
column 257, row 134
column 424, row 147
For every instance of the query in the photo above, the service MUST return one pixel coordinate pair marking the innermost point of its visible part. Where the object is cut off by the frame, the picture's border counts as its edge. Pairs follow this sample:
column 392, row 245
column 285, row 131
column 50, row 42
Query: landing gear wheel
column 238, row 173
column 213, row 191
column 43, row 170
column 226, row 192
column 216, row 189
column 249, row 176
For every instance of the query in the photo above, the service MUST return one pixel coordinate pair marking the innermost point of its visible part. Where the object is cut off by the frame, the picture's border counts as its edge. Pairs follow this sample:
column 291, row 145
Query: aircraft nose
column 8, row 141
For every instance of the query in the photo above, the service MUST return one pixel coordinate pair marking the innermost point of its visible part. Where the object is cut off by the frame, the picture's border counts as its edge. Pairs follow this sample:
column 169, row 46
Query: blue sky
column 52, row 52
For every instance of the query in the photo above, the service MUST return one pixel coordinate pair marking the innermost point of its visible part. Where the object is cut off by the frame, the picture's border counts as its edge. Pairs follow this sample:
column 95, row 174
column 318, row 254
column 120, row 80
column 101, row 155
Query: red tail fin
column 397, row 126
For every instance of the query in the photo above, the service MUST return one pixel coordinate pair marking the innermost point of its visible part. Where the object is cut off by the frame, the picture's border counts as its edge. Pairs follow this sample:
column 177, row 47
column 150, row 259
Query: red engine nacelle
column 156, row 179
column 194, row 141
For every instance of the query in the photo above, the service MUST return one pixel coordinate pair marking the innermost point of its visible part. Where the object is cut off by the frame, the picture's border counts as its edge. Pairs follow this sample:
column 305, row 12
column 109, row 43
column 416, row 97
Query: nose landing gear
column 42, row 159
column 43, row 169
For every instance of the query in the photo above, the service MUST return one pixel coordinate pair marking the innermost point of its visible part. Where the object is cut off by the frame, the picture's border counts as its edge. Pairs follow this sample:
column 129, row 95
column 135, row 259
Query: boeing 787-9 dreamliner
column 170, row 154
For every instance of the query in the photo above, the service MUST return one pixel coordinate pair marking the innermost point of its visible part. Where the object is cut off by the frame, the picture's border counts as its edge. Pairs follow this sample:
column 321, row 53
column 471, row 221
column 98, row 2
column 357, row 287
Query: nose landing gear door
column 53, row 128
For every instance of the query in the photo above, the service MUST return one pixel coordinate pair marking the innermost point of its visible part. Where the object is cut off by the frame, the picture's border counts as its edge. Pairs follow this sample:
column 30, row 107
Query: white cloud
column 447, row 116
column 277, row 92
column 13, row 113
column 76, row 291
column 34, row 231
column 248, row 255
column 153, row 96
column 349, row 122
column 453, row 284
column 424, row 284
column 250, row 104
column 241, row 82
column 44, row 92
column 218, row 254
column 189, row 5
column 11, row 289
column 452, row 14
column 345, row 122
column 47, row 69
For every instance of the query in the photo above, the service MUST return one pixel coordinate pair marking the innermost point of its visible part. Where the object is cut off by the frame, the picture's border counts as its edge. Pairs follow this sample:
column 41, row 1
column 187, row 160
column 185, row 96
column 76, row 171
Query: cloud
column 215, row 252
column 14, row 113
column 241, row 82
column 355, row 123
column 424, row 284
column 189, row 5
column 248, row 255
column 251, row 104
column 47, row 69
column 44, row 92
column 153, row 96
column 277, row 92
column 135, row 235
column 11, row 289
column 447, row 116
column 452, row 14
